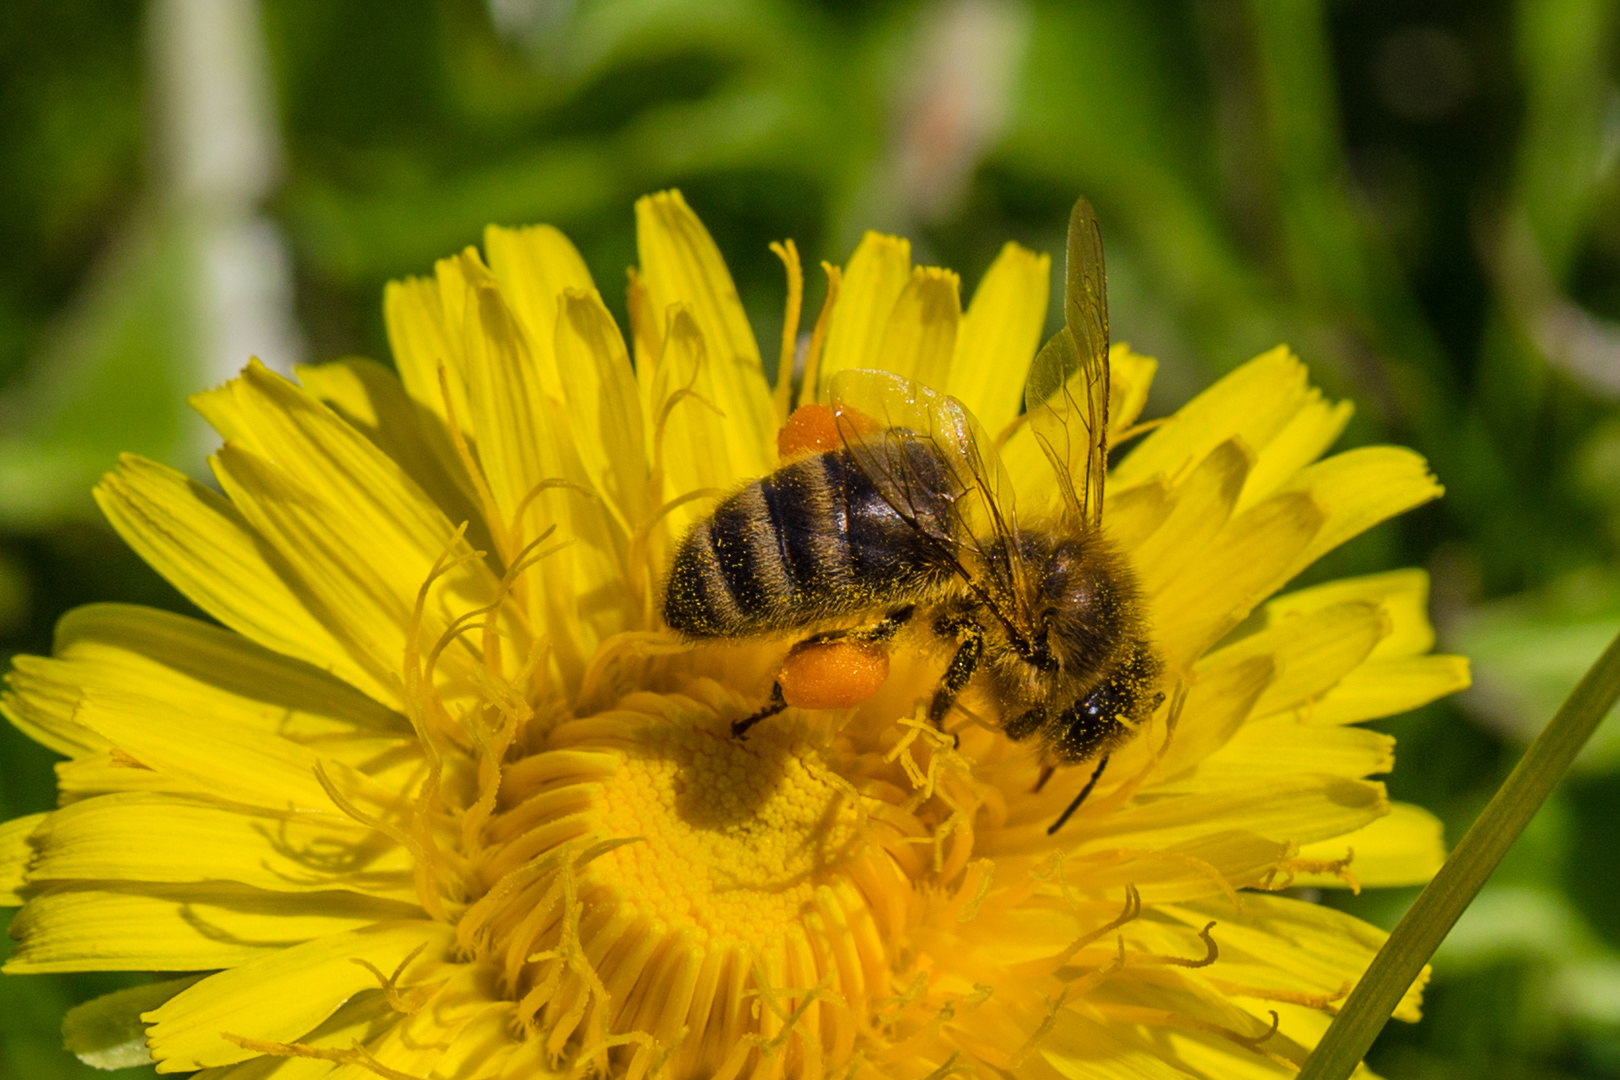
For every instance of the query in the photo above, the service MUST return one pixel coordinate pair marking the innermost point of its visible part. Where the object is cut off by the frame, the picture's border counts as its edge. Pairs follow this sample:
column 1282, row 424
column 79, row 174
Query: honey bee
column 912, row 518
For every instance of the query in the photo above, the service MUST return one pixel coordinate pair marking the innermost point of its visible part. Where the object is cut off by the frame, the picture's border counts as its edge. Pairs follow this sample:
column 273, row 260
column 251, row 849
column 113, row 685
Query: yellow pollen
column 647, row 872
column 734, row 837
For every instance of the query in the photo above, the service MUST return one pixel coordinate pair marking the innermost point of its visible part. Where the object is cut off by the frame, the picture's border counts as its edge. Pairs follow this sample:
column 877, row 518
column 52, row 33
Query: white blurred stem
column 217, row 159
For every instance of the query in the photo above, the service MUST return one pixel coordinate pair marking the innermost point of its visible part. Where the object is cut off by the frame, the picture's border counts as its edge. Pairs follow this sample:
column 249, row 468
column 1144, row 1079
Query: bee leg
column 1046, row 774
column 884, row 630
column 879, row 633
column 739, row 728
column 1080, row 798
column 961, row 668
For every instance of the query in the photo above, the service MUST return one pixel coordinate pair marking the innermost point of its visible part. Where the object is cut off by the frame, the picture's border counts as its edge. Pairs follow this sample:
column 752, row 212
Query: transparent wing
column 1066, row 394
column 931, row 461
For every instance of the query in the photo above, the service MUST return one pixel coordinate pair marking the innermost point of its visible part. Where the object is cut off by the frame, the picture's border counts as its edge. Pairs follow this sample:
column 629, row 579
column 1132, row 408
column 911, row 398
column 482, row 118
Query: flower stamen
column 1339, row 868
column 1211, row 953
column 788, row 252
column 818, row 336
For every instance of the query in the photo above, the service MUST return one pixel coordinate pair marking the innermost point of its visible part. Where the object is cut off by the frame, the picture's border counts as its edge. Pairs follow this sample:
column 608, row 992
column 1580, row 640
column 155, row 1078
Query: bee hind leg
column 872, row 674
column 739, row 728
column 879, row 633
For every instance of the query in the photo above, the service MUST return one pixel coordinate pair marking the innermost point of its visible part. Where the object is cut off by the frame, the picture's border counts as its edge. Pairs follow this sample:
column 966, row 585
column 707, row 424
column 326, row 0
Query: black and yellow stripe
column 813, row 540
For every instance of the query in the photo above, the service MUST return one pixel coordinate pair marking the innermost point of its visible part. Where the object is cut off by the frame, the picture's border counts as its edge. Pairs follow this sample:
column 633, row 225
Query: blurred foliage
column 1422, row 197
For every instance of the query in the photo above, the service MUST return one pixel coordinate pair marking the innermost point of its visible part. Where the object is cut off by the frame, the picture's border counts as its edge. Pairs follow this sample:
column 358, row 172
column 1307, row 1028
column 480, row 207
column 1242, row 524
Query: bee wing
column 1066, row 394
column 880, row 417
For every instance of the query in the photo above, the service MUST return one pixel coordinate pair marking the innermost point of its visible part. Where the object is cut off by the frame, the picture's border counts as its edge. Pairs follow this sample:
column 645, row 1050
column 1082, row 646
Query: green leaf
column 107, row 1032
column 1439, row 906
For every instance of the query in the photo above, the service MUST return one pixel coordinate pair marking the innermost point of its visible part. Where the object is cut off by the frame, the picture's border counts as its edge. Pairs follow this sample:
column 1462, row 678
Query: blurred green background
column 1422, row 197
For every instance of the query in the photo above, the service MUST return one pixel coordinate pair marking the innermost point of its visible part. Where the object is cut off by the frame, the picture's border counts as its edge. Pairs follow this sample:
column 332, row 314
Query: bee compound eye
column 832, row 674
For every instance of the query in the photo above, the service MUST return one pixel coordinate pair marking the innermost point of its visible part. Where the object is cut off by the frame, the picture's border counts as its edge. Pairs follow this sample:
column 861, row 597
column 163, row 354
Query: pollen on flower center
column 727, row 899
column 734, row 837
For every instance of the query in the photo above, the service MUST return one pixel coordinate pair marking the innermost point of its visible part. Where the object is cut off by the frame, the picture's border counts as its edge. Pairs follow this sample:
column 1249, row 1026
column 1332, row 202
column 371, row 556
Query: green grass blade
column 1437, row 909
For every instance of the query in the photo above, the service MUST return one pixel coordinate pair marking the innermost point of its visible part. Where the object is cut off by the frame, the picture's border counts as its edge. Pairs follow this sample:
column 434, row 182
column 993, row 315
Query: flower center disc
column 718, row 903
column 734, row 837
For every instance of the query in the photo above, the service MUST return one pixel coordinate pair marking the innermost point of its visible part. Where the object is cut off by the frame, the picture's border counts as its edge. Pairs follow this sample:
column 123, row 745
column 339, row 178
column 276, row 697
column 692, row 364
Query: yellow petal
column 534, row 266
column 363, row 595
column 202, row 669
column 604, row 405
column 1358, row 489
column 1261, row 750
column 146, row 837
column 1203, row 502
column 1183, row 872
column 327, row 485
column 873, row 281
column 1167, row 1006
column 178, row 927
column 1220, row 699
column 1130, row 378
column 41, row 705
column 281, row 997
column 1136, row 514
column 681, row 265
column 1081, row 1047
column 999, row 335
column 1403, row 594
column 516, row 441
column 269, row 415
column 423, row 342
column 15, row 854
column 356, row 1021
column 1301, row 808
column 1312, row 652
column 526, row 450
column 1251, row 558
column 1387, row 687
column 1302, row 440
column 248, row 766
column 202, row 545
column 920, row 336
column 371, row 400
column 690, row 447
column 1404, row 847
column 1252, row 403
column 1285, row 944
column 490, row 1038
column 111, row 772
column 417, row 1044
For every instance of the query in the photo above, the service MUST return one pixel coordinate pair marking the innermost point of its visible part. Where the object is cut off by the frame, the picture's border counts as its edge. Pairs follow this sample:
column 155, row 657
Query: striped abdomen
column 813, row 540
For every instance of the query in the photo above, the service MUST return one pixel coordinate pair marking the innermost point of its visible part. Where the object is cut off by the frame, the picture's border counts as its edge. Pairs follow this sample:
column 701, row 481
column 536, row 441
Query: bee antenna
column 1080, row 798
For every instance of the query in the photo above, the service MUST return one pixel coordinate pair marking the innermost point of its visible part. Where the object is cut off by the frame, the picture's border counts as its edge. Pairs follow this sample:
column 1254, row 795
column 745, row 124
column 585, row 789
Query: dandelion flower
column 438, row 797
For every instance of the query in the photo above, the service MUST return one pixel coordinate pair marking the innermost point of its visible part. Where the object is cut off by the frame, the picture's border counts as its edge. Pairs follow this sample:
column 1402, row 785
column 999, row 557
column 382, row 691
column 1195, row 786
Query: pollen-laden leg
column 969, row 636
column 879, row 633
column 868, row 639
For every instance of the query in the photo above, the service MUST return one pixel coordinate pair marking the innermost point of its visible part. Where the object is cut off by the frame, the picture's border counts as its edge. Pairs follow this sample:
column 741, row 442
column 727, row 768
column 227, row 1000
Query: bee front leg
column 1078, row 799
column 970, row 637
